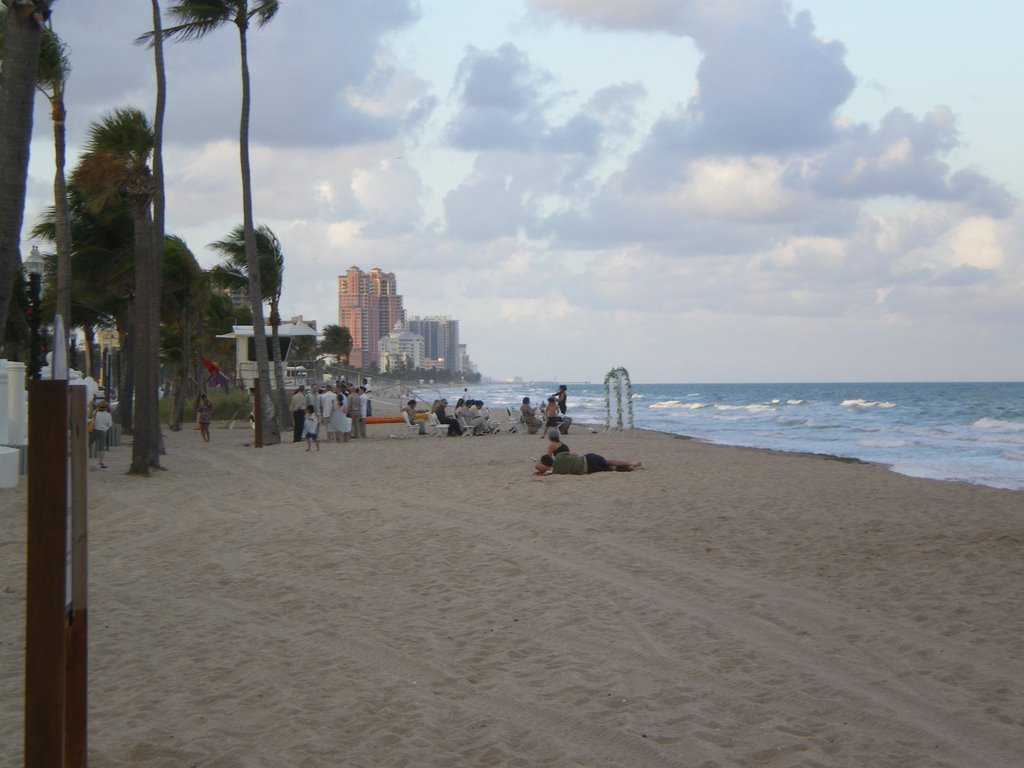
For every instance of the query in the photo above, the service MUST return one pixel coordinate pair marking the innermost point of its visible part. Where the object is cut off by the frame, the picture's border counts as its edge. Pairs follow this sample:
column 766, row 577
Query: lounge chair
column 439, row 429
column 410, row 428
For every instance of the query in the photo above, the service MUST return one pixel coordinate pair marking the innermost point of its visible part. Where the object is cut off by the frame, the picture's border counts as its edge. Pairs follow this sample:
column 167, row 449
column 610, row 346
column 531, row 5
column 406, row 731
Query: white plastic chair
column 410, row 428
column 439, row 429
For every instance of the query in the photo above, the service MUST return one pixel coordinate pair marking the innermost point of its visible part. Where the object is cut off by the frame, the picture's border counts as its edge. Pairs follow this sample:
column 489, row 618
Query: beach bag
column 91, row 425
column 197, row 427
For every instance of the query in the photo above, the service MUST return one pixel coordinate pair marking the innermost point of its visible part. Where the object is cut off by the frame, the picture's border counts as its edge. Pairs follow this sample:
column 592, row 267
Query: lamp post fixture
column 34, row 266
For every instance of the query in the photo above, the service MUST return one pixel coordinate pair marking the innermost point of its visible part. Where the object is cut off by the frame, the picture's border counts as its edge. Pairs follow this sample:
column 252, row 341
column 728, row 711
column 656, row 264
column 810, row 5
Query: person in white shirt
column 101, row 423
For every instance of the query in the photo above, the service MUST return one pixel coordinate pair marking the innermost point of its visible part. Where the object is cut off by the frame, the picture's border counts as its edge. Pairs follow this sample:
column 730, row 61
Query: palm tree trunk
column 271, row 429
column 126, row 386
column 157, row 234
column 146, row 441
column 61, row 214
column 282, row 395
column 17, row 94
column 178, row 408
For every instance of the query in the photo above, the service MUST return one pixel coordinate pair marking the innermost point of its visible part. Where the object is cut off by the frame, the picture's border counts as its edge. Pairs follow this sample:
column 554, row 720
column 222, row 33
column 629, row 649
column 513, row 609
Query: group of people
column 554, row 413
column 338, row 410
column 465, row 415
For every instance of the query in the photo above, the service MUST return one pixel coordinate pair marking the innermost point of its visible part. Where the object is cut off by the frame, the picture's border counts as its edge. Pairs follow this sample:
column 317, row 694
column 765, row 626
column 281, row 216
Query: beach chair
column 467, row 428
column 410, row 428
column 436, row 427
column 515, row 419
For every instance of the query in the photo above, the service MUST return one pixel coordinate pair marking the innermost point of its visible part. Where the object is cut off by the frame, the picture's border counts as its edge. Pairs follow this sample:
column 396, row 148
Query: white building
column 400, row 350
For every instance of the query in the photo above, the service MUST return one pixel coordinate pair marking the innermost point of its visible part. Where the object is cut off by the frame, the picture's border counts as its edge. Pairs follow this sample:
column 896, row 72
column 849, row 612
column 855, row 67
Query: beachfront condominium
column 369, row 306
column 440, row 341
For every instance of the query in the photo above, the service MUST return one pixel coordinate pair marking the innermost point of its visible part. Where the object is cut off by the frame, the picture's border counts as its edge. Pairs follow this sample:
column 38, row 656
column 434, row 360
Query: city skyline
column 736, row 190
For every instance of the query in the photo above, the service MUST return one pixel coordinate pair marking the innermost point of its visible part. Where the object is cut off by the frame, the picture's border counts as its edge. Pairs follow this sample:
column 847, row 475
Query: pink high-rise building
column 369, row 306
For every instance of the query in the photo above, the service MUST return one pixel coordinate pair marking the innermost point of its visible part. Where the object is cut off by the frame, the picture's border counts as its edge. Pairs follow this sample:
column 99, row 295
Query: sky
column 694, row 190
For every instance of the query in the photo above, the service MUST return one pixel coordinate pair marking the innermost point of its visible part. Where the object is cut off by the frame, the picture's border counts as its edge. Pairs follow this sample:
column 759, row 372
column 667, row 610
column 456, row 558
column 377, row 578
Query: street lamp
column 34, row 266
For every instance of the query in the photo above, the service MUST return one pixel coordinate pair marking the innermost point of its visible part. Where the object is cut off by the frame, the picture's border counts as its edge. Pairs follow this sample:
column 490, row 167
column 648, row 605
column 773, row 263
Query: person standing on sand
column 204, row 415
column 551, row 414
column 101, row 423
column 327, row 403
column 561, row 397
column 298, row 409
column 356, row 413
column 340, row 424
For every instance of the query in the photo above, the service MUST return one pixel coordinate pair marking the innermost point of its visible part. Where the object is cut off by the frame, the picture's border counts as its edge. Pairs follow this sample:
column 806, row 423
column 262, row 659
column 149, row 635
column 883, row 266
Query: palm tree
column 185, row 295
column 197, row 18
column 232, row 274
column 158, row 155
column 51, row 78
column 115, row 167
column 54, row 68
column 338, row 341
column 22, row 31
column 101, row 270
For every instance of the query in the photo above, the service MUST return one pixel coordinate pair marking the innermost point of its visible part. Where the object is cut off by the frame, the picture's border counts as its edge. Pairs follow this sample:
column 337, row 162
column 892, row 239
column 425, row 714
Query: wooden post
column 76, row 688
column 257, row 412
column 46, row 573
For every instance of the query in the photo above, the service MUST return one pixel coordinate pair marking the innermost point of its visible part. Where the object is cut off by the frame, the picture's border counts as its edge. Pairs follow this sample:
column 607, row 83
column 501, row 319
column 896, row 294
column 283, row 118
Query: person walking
column 204, row 415
column 101, row 423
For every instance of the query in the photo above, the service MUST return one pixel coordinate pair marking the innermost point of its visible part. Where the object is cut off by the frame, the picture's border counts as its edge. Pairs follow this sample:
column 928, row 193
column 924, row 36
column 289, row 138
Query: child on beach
column 204, row 415
column 312, row 428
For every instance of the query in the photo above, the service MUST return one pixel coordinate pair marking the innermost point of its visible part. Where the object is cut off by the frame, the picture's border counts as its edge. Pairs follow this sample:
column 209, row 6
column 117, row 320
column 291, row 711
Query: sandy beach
column 428, row 602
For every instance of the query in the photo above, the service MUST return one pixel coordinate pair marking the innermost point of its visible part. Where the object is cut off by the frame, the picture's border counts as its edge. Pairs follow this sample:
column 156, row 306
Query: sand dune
column 427, row 602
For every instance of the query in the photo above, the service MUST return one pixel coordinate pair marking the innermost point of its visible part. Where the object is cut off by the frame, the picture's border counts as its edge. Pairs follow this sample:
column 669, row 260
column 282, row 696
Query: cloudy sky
column 699, row 191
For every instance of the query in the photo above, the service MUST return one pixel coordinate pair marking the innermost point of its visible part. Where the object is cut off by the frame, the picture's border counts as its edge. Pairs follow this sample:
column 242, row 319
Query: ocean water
column 971, row 432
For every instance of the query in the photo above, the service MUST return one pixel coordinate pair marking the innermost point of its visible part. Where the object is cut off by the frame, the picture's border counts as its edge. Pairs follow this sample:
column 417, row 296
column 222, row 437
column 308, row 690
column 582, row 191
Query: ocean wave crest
column 990, row 423
column 675, row 404
column 859, row 403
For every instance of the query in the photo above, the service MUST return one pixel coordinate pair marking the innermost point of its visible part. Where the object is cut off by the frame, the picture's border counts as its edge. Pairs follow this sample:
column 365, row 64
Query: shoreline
column 428, row 601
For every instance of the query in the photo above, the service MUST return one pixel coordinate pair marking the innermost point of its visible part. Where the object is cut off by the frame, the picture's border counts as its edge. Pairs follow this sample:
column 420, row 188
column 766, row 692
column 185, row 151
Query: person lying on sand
column 587, row 464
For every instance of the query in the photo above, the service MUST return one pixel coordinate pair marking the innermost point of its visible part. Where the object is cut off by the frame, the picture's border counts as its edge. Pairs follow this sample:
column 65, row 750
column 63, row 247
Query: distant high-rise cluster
column 370, row 306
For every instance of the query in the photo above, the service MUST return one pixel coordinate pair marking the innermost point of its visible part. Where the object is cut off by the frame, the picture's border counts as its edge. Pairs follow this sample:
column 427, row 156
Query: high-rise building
column 369, row 306
column 440, row 341
column 400, row 350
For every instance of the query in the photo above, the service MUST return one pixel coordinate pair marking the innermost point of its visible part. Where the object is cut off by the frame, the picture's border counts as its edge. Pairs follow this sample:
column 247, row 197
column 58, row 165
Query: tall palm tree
column 196, row 19
column 115, row 167
column 158, row 161
column 184, row 297
column 22, row 32
column 54, row 68
column 51, row 77
column 232, row 273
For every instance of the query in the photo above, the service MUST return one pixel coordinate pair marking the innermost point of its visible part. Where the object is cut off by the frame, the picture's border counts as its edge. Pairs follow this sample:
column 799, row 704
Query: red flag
column 211, row 367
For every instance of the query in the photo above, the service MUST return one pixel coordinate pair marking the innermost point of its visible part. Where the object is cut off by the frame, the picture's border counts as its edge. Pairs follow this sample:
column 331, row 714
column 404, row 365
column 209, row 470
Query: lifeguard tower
column 245, row 347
